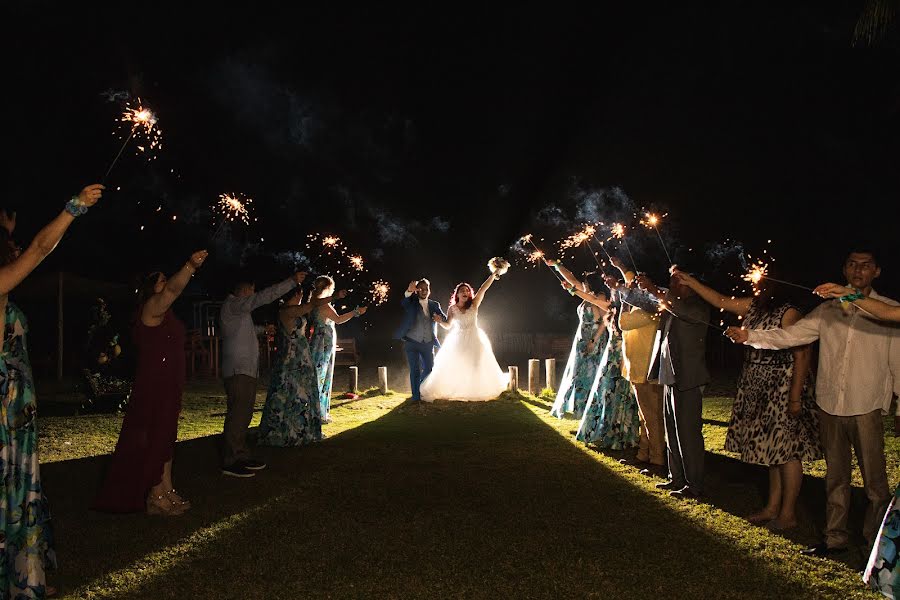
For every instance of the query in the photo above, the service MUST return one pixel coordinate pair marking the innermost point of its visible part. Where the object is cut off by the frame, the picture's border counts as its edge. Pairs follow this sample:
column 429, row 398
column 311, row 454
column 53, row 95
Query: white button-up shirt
column 859, row 356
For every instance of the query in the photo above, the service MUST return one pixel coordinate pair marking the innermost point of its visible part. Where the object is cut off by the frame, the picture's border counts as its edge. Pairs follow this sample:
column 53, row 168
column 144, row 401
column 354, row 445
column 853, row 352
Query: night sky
column 429, row 140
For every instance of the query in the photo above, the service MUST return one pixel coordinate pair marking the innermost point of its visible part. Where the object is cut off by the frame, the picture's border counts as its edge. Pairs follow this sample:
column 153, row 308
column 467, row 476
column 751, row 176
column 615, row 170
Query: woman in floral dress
column 26, row 546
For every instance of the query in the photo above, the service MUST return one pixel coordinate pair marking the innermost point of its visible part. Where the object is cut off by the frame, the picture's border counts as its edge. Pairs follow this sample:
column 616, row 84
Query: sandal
column 160, row 505
column 177, row 500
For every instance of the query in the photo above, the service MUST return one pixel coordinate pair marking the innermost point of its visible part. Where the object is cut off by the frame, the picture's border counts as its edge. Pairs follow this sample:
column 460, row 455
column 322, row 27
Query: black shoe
column 821, row 550
column 653, row 471
column 238, row 470
column 669, row 485
column 685, row 493
column 253, row 464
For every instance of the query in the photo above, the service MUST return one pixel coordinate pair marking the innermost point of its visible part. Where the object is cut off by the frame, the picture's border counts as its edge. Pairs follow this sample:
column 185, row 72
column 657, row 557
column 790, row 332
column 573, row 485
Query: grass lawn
column 481, row 500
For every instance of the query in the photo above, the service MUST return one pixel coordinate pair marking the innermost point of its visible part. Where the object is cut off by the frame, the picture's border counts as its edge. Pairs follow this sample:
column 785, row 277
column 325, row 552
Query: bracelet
column 356, row 312
column 556, row 266
column 857, row 295
column 75, row 208
column 571, row 290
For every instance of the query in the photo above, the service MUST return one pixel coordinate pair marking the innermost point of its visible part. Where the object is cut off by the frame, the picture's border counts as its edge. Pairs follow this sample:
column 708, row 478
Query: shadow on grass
column 430, row 500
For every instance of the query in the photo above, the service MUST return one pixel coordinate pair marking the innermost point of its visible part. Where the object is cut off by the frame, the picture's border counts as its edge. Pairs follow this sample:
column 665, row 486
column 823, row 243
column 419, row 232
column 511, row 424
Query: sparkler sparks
column 233, row 207
column 652, row 220
column 141, row 123
column 379, row 292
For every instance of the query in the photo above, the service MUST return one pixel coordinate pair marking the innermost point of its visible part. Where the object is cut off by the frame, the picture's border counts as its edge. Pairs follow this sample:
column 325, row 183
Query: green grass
column 475, row 500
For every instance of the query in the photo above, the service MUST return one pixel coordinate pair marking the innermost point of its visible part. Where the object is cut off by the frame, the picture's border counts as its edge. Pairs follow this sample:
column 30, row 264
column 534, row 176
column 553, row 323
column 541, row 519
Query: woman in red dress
column 140, row 476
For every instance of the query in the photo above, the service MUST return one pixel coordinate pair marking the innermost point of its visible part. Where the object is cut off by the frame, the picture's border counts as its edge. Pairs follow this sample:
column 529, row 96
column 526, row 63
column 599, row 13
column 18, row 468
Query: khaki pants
column 865, row 433
column 652, row 445
column 241, row 393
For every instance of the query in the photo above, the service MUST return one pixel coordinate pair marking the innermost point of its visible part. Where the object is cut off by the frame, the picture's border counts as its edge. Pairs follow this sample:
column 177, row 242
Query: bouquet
column 498, row 266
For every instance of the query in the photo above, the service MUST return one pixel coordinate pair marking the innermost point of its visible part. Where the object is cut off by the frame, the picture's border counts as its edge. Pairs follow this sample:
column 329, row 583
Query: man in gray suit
column 679, row 364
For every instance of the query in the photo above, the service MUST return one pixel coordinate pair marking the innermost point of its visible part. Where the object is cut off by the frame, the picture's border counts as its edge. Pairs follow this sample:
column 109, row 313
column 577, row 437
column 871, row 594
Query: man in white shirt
column 859, row 369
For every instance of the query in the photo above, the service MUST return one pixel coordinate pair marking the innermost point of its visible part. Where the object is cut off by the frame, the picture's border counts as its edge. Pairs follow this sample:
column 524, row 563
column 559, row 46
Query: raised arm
column 479, row 295
column 288, row 313
column 330, row 313
column 805, row 331
column 47, row 238
column 567, row 274
column 268, row 295
column 157, row 305
column 876, row 308
column 599, row 300
column 737, row 306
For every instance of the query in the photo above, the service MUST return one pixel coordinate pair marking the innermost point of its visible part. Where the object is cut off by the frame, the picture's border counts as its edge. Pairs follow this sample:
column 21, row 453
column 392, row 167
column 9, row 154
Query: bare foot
column 761, row 517
column 780, row 524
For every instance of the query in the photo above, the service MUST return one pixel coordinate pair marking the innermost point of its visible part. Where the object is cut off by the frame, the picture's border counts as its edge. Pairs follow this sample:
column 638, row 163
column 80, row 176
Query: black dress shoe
column 653, row 471
column 669, row 485
column 821, row 550
column 685, row 493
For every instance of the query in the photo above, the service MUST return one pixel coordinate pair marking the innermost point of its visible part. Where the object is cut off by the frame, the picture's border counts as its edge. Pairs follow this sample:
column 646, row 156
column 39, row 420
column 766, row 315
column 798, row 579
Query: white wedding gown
column 465, row 367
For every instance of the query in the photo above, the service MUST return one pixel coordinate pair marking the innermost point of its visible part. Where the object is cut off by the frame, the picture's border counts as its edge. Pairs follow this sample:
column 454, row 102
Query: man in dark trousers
column 419, row 332
column 678, row 362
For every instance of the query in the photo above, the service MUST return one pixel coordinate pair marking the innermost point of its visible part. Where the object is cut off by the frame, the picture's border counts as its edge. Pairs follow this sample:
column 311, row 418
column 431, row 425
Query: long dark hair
column 455, row 296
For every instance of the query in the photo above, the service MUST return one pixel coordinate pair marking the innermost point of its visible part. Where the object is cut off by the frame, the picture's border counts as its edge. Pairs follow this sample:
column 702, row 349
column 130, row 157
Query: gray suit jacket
column 687, row 343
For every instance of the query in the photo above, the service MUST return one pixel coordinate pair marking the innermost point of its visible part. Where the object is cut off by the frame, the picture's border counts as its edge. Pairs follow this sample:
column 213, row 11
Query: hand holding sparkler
column 833, row 290
column 299, row 276
column 738, row 335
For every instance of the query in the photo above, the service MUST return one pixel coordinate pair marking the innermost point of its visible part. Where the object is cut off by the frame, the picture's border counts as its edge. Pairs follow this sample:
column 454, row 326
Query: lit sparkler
column 617, row 231
column 759, row 271
column 142, row 124
column 379, row 292
column 652, row 220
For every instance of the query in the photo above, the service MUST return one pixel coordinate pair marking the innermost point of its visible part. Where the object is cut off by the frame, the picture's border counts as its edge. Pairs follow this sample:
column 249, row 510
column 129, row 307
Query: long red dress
column 147, row 439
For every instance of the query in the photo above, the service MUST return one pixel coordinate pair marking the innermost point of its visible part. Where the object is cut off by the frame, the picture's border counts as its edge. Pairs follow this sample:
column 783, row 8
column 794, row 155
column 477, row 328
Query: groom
column 418, row 332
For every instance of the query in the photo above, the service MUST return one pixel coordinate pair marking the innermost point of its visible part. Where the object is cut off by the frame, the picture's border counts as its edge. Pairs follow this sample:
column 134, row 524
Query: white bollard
column 513, row 378
column 382, row 380
column 550, row 373
column 354, row 380
column 534, row 376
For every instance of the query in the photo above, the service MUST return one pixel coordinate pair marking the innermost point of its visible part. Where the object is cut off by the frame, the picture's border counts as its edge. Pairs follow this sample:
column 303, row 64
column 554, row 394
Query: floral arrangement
column 498, row 266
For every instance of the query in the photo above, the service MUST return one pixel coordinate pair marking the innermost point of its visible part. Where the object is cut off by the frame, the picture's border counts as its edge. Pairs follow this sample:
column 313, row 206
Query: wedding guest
column 240, row 368
column 859, row 359
column 322, row 342
column 25, row 528
column 140, row 476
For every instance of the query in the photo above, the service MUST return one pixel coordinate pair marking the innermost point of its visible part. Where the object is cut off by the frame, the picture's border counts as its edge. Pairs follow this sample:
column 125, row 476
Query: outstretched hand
column 738, row 335
column 197, row 258
column 91, row 194
column 832, row 290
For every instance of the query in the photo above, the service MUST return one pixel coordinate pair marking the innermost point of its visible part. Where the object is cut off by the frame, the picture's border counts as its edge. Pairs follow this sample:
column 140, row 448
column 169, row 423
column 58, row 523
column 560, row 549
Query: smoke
column 112, row 95
column 719, row 252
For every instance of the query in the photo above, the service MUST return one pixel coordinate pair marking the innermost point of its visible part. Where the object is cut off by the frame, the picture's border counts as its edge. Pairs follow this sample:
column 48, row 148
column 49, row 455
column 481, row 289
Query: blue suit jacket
column 410, row 306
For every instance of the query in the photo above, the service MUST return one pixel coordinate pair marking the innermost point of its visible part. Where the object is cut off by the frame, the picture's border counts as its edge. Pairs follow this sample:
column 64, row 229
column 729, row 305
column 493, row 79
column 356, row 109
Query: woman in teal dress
column 882, row 573
column 322, row 340
column 611, row 419
column 291, row 414
column 26, row 547
column 587, row 348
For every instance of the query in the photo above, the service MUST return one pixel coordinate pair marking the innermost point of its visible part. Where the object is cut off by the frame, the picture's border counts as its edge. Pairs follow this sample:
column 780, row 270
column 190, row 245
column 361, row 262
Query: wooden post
column 513, row 378
column 550, row 372
column 382, row 380
column 59, row 327
column 534, row 376
column 354, row 380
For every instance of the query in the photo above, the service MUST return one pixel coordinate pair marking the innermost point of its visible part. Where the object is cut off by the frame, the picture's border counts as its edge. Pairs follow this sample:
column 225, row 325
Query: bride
column 465, row 367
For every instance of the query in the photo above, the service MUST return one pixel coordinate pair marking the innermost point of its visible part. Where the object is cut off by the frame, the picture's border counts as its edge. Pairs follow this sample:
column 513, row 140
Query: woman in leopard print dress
column 773, row 420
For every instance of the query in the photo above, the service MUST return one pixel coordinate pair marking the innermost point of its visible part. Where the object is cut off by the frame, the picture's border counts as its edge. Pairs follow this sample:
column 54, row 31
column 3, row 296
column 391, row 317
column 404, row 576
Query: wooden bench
column 346, row 353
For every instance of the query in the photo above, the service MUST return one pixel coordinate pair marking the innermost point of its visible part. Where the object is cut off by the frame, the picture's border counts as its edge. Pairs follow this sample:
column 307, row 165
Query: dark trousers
column 420, row 356
column 683, row 412
column 240, row 391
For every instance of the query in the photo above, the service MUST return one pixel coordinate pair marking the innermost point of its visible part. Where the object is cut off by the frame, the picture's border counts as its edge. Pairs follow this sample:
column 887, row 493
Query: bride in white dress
column 465, row 367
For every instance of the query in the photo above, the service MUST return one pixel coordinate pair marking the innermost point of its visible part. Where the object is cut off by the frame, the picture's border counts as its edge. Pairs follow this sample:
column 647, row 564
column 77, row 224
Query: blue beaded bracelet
column 75, row 208
column 356, row 312
column 851, row 297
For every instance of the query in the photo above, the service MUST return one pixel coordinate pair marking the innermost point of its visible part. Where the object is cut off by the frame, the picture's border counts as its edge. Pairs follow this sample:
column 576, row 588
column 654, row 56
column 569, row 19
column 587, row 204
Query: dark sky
column 742, row 122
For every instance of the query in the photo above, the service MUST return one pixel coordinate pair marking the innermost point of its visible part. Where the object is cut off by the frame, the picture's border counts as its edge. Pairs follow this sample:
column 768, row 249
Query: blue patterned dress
column 322, row 348
column 291, row 414
column 611, row 417
column 581, row 368
column 26, row 544
column 882, row 574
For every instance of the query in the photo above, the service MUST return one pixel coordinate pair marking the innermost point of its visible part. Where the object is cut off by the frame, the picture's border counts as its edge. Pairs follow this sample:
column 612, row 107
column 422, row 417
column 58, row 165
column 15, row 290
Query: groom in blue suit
column 419, row 332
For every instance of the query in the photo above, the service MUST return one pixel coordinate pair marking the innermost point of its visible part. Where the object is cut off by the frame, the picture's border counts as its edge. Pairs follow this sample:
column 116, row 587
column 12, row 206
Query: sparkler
column 617, row 231
column 538, row 255
column 758, row 272
column 379, row 292
column 651, row 220
column 143, row 123
column 582, row 237
column 230, row 208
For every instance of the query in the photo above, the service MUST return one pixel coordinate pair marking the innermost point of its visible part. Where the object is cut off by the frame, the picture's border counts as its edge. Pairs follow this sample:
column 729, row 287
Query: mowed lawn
column 474, row 500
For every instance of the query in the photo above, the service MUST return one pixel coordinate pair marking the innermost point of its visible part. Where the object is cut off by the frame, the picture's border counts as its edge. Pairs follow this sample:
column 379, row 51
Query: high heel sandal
column 161, row 505
column 177, row 500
